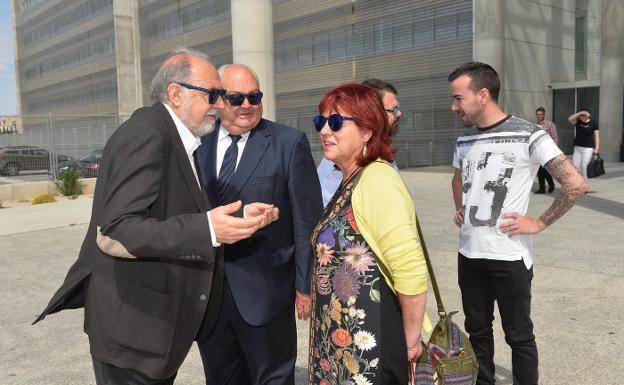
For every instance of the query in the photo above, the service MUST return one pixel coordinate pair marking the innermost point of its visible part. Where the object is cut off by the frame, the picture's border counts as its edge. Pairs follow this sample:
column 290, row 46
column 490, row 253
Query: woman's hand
column 415, row 352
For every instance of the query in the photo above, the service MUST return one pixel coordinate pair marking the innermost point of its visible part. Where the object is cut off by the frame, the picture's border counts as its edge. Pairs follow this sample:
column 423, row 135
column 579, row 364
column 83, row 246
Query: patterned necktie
column 227, row 167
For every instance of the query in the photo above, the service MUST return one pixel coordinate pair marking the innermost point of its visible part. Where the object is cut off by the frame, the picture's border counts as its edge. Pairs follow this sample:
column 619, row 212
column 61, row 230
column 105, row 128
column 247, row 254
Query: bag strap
column 434, row 283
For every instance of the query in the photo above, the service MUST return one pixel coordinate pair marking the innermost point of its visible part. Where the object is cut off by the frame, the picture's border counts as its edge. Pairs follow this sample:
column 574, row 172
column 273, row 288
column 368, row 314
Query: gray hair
column 221, row 70
column 176, row 71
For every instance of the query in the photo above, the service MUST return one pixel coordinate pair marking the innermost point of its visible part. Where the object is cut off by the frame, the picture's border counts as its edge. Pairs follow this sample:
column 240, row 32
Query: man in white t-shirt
column 495, row 163
column 328, row 174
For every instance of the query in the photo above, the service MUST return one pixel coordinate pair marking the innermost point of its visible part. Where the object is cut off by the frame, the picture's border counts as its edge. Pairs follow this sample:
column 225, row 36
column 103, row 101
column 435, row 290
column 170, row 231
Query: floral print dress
column 346, row 323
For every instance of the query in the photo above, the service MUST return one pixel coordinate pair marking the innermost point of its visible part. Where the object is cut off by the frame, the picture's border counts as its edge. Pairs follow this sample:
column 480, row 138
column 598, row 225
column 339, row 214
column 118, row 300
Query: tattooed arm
column 573, row 186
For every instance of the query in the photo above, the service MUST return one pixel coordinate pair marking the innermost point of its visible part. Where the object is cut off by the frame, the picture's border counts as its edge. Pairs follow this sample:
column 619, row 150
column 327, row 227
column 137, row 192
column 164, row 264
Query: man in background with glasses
column 328, row 174
column 150, row 263
column 252, row 159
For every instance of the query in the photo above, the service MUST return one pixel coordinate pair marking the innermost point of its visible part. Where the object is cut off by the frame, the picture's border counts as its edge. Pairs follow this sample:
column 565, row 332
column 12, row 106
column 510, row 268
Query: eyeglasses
column 237, row 99
column 395, row 110
column 213, row 93
column 334, row 120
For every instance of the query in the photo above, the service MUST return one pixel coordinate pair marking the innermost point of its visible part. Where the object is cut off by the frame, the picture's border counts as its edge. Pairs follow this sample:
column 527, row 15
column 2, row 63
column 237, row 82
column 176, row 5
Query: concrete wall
column 20, row 191
column 539, row 52
column 539, row 45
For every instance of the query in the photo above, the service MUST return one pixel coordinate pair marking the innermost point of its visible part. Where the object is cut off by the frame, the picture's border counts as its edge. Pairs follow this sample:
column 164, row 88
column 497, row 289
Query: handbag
column 595, row 167
column 448, row 357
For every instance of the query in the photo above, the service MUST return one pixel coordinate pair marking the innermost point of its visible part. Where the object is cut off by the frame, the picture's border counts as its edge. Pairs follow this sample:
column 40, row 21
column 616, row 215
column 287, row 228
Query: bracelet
column 415, row 349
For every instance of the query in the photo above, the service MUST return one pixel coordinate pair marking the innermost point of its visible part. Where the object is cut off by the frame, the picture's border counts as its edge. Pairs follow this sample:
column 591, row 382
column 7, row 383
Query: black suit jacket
column 276, row 167
column 145, row 268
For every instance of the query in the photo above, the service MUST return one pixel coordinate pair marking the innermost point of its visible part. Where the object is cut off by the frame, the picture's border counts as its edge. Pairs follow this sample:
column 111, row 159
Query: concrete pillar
column 489, row 38
column 16, row 58
column 611, row 79
column 252, row 44
column 128, row 55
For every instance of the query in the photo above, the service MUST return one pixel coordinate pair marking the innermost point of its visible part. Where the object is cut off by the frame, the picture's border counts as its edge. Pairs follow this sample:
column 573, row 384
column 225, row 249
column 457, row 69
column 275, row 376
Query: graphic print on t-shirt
column 492, row 172
column 497, row 165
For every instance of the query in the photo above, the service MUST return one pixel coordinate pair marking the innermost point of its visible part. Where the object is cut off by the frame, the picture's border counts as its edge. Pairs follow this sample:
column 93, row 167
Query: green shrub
column 45, row 198
column 67, row 183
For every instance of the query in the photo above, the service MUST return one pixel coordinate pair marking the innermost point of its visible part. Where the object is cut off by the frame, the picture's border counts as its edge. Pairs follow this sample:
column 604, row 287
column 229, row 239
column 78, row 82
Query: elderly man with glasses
column 328, row 174
column 252, row 159
column 149, row 267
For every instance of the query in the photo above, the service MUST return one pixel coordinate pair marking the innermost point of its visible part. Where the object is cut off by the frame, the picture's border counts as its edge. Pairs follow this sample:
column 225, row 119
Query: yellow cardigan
column 385, row 215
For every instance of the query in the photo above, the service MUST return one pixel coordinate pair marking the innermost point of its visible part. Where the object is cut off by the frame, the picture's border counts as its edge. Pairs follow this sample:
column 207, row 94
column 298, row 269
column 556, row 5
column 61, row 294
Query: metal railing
column 53, row 144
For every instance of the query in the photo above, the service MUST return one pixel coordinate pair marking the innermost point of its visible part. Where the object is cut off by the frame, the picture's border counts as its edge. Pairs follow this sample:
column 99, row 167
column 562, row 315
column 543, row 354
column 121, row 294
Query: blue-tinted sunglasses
column 334, row 120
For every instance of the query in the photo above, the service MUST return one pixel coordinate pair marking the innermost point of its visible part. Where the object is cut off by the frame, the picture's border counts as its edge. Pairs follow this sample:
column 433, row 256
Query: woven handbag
column 448, row 358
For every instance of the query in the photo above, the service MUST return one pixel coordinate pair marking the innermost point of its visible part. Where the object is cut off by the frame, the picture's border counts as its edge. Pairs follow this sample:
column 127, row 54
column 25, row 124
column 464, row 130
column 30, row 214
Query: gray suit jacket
column 145, row 268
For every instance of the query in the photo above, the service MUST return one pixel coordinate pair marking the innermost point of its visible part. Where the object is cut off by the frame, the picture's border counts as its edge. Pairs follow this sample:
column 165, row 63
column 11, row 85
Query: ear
column 484, row 95
column 174, row 94
column 366, row 136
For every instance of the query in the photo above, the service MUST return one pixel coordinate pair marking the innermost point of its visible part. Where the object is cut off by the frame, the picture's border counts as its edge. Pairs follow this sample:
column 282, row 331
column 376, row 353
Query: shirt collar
column 223, row 133
column 189, row 141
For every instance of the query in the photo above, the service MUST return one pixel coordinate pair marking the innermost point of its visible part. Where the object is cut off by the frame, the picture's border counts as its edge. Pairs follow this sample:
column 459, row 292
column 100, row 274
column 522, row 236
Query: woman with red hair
column 370, row 276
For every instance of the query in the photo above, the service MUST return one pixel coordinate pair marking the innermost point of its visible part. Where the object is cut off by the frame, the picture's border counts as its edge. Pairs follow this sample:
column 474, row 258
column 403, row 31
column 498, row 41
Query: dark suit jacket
column 276, row 167
column 144, row 278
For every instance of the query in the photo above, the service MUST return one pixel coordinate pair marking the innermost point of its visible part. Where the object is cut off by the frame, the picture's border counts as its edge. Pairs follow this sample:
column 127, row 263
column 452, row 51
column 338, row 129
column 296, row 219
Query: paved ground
column 577, row 308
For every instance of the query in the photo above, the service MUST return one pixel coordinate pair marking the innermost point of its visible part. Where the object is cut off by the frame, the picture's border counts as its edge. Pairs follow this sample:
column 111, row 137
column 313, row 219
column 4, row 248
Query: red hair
column 364, row 104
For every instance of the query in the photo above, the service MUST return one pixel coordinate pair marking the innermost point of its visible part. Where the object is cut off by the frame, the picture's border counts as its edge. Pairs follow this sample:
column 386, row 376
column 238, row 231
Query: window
column 402, row 31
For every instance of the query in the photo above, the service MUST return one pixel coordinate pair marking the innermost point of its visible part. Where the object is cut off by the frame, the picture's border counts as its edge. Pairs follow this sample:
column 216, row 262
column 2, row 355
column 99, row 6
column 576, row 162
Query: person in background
column 586, row 139
column 329, row 175
column 551, row 129
column 370, row 280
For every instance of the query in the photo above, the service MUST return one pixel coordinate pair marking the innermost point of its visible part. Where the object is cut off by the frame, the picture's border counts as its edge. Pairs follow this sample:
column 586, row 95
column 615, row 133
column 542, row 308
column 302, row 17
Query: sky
column 8, row 97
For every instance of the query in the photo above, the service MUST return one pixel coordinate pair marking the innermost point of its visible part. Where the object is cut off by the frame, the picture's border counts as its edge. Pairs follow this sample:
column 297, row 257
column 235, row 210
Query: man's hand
column 256, row 209
column 521, row 224
column 459, row 217
column 303, row 303
column 230, row 229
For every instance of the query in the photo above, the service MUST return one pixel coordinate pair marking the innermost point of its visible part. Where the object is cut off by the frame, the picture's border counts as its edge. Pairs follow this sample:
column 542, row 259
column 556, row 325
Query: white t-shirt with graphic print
column 498, row 165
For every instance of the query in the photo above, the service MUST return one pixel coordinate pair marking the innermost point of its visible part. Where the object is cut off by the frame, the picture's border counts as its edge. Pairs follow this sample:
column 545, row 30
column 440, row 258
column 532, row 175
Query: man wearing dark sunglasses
column 329, row 175
column 254, row 159
column 151, row 260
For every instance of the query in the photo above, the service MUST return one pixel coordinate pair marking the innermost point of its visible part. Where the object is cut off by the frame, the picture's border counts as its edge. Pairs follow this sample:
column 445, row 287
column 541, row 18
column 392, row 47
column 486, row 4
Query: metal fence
column 53, row 144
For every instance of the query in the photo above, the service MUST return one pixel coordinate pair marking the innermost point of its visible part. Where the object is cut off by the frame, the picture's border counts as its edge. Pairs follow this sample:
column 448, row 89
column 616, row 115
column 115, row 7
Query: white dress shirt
column 191, row 143
column 224, row 141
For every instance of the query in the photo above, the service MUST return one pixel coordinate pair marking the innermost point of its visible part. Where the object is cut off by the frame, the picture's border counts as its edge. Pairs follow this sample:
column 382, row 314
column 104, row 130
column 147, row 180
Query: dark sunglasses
column 237, row 99
column 334, row 120
column 395, row 110
column 213, row 93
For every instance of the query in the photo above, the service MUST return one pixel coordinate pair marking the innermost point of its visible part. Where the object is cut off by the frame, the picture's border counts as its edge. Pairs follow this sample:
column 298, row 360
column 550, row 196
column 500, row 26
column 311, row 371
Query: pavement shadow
column 605, row 206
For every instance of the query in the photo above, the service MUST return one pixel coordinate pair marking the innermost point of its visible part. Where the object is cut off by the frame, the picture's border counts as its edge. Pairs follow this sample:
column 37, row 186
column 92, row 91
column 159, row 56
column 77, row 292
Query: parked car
column 87, row 166
column 14, row 159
